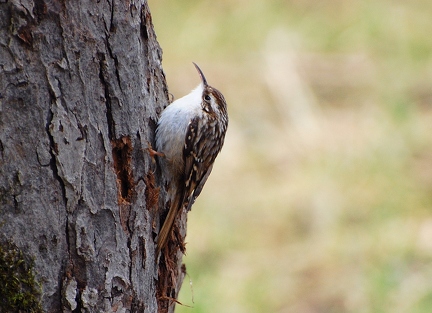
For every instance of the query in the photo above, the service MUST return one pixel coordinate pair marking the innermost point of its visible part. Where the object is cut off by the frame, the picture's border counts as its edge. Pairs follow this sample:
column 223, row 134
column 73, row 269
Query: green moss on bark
column 19, row 291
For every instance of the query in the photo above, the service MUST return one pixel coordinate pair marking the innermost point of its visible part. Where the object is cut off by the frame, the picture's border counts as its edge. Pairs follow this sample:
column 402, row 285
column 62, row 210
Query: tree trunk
column 81, row 87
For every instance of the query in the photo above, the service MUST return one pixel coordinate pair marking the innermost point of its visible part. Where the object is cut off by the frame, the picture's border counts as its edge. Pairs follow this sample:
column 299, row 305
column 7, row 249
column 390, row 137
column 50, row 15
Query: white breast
column 173, row 124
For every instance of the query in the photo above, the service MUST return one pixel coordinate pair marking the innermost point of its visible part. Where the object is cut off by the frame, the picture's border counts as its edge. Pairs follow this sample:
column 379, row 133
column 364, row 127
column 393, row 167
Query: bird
column 190, row 134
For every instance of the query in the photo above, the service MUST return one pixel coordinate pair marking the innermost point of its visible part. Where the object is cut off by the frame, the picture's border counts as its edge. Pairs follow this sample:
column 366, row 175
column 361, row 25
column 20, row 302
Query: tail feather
column 168, row 224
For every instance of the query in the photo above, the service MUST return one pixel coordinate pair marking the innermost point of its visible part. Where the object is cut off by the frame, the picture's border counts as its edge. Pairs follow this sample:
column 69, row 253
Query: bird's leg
column 153, row 152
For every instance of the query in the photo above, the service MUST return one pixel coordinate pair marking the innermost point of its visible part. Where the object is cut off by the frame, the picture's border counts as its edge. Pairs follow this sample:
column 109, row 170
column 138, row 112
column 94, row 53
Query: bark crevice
column 53, row 160
column 107, row 96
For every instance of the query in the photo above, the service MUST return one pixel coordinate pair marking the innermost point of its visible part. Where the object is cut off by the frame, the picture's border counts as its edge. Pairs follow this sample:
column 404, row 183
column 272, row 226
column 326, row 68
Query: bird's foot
column 153, row 153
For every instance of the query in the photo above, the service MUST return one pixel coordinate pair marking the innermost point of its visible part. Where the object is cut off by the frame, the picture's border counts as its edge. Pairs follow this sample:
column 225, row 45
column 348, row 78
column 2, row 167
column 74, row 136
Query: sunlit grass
column 321, row 198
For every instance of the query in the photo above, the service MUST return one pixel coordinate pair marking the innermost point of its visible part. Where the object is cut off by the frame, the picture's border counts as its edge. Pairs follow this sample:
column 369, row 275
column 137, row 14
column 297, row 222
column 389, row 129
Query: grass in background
column 321, row 198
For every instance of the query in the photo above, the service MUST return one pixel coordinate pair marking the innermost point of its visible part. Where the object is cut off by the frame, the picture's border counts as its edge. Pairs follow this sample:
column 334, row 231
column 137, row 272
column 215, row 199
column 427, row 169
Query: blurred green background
column 321, row 200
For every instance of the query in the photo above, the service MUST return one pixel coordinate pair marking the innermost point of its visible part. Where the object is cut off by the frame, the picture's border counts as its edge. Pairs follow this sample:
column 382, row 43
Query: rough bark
column 81, row 87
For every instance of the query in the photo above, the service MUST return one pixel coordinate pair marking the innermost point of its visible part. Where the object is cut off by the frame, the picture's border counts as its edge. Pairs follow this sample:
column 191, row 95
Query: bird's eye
column 207, row 98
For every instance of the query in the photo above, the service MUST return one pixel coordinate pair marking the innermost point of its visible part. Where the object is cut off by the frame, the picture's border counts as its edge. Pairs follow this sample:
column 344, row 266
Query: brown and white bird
column 190, row 134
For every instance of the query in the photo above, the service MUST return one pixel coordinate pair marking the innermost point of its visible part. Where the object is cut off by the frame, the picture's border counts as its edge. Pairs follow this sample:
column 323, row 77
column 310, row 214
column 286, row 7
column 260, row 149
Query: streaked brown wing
column 198, row 158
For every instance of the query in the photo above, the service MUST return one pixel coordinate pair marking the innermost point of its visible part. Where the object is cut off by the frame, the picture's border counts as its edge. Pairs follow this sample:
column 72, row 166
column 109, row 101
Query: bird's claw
column 153, row 152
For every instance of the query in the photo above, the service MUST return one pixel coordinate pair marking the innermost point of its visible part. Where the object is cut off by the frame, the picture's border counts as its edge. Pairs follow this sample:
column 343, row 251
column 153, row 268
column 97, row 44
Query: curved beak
column 204, row 81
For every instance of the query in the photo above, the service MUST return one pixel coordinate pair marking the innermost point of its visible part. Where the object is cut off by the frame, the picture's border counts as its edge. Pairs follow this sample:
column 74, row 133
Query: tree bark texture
column 81, row 88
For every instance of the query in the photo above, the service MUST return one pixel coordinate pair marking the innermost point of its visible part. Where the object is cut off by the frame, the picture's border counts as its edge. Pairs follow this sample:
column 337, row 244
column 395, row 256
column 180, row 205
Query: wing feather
column 198, row 157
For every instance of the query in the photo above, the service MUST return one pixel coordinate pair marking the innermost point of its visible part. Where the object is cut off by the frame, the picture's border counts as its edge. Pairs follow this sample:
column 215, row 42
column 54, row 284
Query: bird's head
column 212, row 100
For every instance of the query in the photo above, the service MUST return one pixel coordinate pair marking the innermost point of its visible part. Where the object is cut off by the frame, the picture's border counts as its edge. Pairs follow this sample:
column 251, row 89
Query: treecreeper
column 190, row 134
